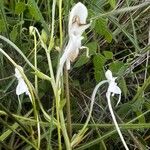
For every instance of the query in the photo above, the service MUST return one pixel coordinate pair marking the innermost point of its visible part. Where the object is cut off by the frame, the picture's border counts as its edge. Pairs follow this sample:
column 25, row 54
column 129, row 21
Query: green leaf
column 108, row 54
column 42, row 75
column 33, row 12
column 14, row 34
column 108, row 36
column 123, row 86
column 81, row 61
column 92, row 47
column 2, row 26
column 20, row 7
column 142, row 118
column 99, row 75
column 116, row 66
column 62, row 104
column 99, row 61
column 44, row 36
column 102, row 29
column 112, row 3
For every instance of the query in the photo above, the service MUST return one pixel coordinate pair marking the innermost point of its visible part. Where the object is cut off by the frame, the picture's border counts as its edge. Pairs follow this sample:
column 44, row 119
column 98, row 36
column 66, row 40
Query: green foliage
column 2, row 25
column 102, row 29
column 117, row 40
column 20, row 7
column 112, row 3
column 14, row 34
column 99, row 61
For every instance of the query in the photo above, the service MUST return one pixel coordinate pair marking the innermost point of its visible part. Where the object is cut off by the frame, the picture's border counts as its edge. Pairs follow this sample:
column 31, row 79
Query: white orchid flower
column 112, row 88
column 76, row 26
column 21, row 87
column 77, row 19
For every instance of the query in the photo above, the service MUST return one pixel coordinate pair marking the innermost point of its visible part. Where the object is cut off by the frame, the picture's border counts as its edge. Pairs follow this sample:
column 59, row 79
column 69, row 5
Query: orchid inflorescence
column 76, row 26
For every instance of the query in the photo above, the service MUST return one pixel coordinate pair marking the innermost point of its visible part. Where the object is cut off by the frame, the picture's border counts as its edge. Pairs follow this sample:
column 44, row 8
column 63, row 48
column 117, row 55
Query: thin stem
column 35, row 62
column 83, row 130
column 31, row 95
column 51, row 70
column 23, row 56
column 64, row 131
column 69, row 127
column 60, row 21
column 52, row 26
column 115, row 121
column 57, row 98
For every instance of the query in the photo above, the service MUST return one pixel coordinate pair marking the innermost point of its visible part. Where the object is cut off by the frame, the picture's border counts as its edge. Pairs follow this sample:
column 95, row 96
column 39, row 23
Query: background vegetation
column 118, row 39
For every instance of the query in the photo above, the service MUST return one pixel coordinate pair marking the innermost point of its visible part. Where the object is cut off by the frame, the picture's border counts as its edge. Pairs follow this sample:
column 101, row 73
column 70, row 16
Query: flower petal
column 21, row 87
column 108, row 75
column 72, row 49
column 78, row 10
column 77, row 20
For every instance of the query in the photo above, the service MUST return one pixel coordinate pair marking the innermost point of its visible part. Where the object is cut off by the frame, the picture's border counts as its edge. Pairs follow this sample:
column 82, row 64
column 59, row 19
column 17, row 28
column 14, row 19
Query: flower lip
column 113, row 87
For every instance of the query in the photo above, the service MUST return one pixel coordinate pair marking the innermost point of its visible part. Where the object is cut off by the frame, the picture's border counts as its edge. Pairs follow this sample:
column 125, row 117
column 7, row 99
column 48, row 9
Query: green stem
column 83, row 130
column 60, row 21
column 115, row 121
column 64, row 131
column 52, row 26
column 35, row 62
column 57, row 98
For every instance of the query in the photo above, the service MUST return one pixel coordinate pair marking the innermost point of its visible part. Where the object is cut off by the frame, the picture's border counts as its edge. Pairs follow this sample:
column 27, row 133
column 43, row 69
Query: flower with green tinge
column 22, row 86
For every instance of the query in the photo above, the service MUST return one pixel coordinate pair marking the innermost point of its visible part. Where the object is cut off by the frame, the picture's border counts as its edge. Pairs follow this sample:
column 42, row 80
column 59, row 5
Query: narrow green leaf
column 2, row 26
column 62, row 104
column 42, row 75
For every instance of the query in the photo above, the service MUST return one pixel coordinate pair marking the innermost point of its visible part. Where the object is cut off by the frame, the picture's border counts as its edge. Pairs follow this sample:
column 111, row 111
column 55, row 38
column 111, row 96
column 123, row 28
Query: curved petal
column 21, row 87
column 72, row 49
column 79, row 10
column 77, row 19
